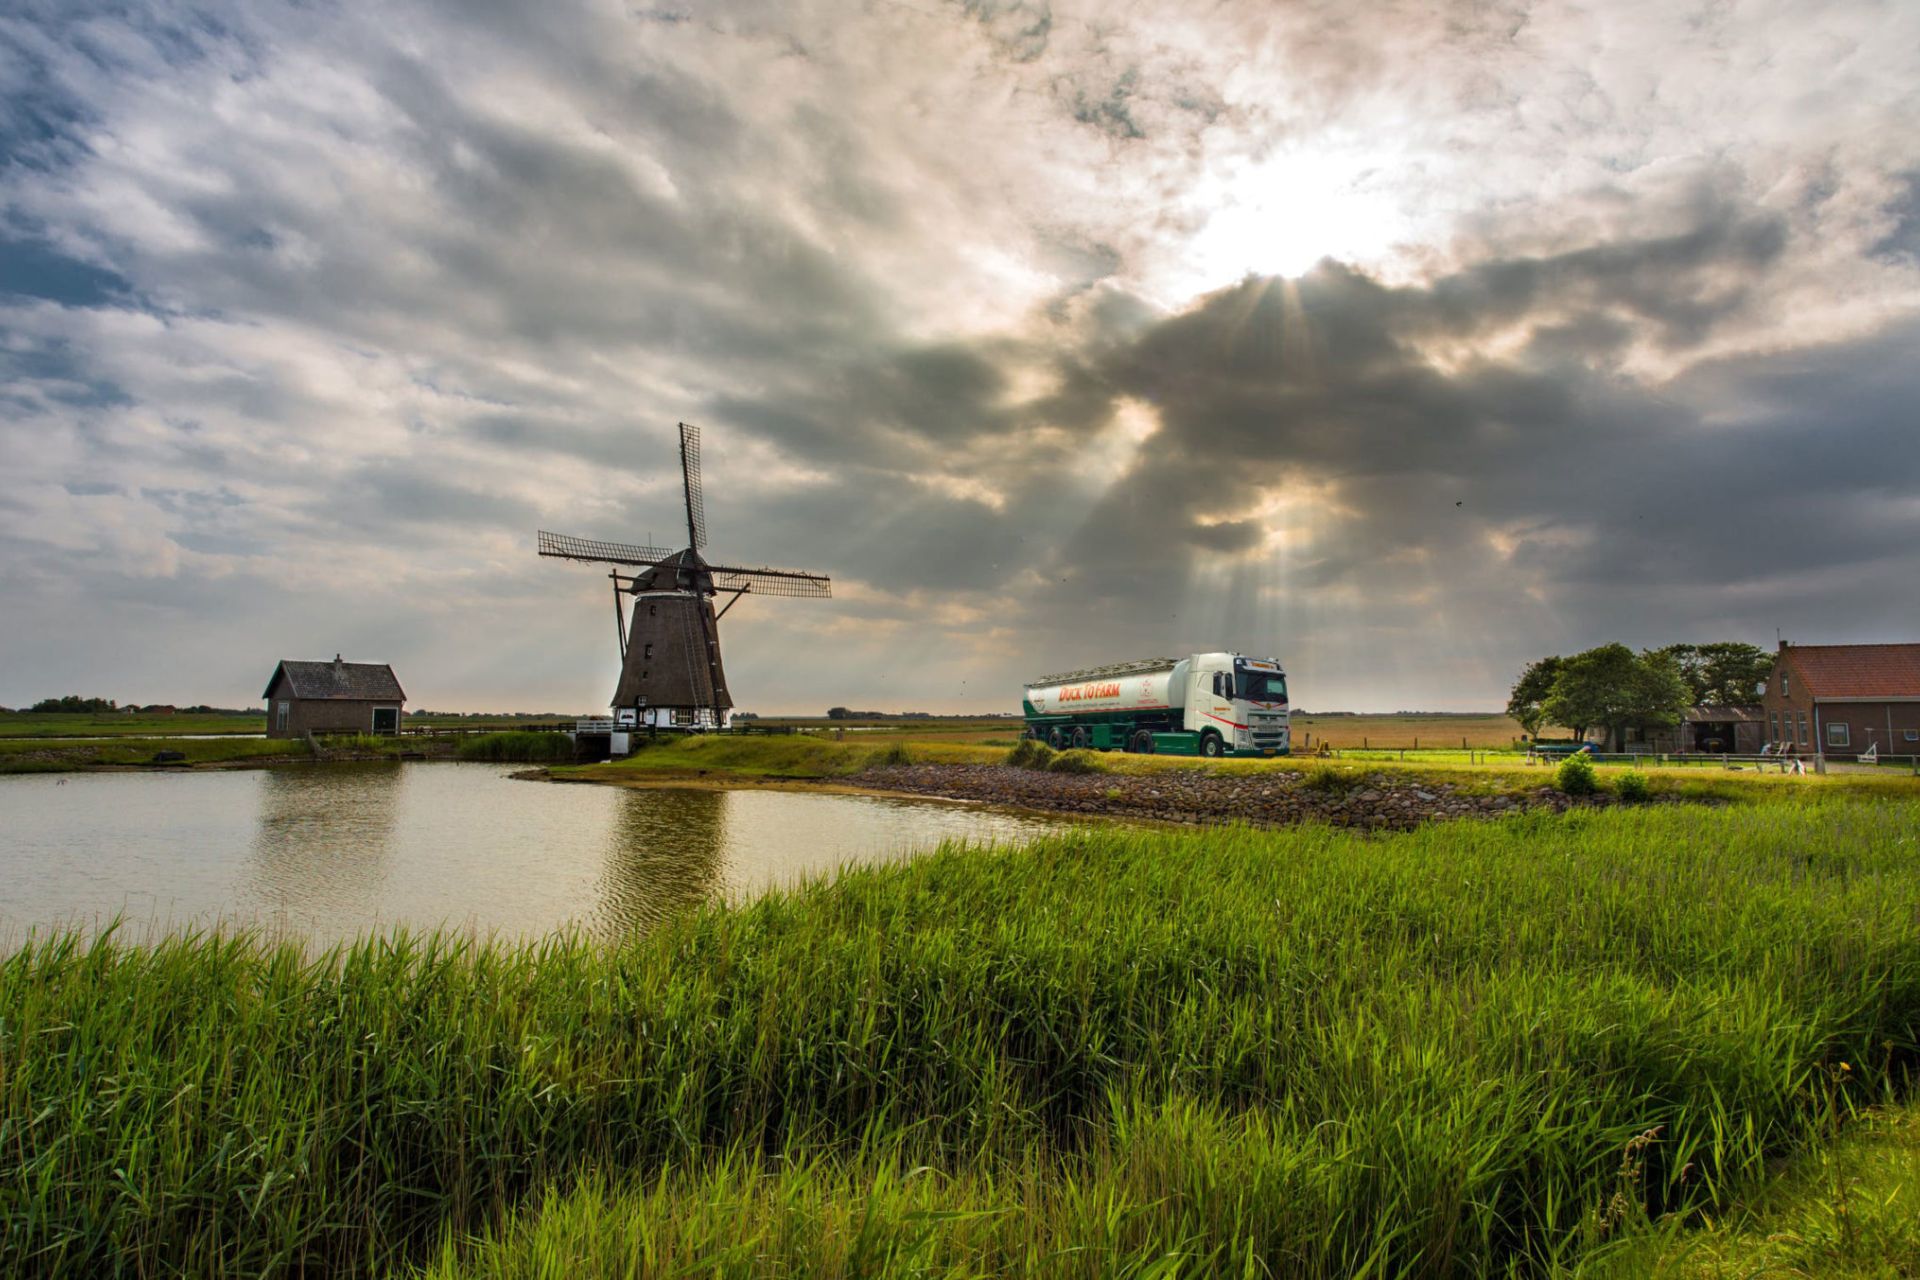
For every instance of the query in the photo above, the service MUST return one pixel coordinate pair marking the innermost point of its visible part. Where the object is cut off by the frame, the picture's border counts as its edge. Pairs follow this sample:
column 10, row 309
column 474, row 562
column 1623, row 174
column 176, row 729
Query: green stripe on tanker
column 1208, row 704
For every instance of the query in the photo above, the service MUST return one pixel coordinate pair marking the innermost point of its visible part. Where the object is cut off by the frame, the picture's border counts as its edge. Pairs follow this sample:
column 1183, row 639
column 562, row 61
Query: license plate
column 1270, row 751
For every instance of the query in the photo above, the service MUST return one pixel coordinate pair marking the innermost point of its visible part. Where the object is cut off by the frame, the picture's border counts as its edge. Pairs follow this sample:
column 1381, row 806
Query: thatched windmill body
column 670, row 671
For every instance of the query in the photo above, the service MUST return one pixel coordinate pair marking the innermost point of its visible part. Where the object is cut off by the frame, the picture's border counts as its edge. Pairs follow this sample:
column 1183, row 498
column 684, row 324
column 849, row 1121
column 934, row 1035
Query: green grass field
column 1113, row 1052
column 39, row 724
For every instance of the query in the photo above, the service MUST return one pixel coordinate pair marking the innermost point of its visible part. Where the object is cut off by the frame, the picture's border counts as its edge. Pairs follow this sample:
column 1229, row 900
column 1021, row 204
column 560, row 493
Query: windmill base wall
column 673, row 662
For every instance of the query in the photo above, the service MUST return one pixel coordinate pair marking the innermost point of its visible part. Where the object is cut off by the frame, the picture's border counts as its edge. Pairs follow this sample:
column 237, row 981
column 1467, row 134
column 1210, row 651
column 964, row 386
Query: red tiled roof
column 1858, row 670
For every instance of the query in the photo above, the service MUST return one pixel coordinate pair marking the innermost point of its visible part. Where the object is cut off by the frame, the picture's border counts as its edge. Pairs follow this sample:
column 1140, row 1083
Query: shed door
column 386, row 719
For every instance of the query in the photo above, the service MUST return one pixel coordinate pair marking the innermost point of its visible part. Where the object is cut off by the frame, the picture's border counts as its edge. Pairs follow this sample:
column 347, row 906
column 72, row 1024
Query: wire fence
column 1767, row 763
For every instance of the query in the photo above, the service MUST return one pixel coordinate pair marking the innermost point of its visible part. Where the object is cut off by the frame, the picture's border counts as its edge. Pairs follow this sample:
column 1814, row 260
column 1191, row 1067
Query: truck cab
column 1237, row 705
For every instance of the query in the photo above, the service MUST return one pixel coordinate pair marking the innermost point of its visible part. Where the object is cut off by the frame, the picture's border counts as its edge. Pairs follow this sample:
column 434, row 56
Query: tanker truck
column 1209, row 704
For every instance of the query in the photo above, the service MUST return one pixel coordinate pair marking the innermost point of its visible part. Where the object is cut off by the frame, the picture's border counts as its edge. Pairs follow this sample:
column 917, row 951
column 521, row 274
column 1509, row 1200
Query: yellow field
column 1490, row 731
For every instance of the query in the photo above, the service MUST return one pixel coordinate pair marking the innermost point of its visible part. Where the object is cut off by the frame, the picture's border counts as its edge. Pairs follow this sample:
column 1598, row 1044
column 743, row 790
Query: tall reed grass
column 1279, row 1053
column 518, row 745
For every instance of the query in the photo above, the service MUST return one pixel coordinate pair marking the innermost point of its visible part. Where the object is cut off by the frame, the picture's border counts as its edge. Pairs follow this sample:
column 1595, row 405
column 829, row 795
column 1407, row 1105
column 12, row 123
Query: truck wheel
column 1143, row 742
column 1080, row 739
column 1210, row 745
column 1056, row 739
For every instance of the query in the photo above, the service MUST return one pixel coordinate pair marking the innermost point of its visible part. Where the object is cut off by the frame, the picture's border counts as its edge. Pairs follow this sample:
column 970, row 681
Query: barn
column 333, row 697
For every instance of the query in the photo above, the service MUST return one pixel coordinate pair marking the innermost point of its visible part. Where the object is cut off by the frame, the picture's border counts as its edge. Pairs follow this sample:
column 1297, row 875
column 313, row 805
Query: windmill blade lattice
column 772, row 582
column 690, row 484
column 560, row 546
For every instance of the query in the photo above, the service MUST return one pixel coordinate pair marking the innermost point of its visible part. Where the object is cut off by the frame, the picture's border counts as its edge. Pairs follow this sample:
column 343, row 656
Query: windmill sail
column 560, row 546
column 772, row 582
column 690, row 485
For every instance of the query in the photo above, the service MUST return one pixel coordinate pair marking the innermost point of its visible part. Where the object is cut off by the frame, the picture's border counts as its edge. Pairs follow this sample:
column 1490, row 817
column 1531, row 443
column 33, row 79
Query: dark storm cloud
column 1633, row 508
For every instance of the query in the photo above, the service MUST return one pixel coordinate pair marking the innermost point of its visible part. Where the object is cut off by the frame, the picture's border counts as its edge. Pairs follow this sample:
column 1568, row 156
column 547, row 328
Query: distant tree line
column 1614, row 689
column 73, row 703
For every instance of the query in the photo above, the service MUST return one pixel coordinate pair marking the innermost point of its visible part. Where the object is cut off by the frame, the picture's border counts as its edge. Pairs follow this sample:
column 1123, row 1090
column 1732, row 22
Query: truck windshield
column 1261, row 686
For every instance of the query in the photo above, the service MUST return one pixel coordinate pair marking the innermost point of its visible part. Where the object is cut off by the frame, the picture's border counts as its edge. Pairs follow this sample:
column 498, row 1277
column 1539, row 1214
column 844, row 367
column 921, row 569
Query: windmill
column 670, row 673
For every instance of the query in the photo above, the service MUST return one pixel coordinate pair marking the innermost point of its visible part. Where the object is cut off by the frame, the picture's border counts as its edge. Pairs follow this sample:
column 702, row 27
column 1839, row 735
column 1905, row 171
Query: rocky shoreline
column 1375, row 801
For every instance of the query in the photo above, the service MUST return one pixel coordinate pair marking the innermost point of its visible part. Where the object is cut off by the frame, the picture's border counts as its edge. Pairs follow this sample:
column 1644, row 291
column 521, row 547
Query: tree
column 1615, row 689
column 74, row 702
column 1724, row 674
column 1531, row 690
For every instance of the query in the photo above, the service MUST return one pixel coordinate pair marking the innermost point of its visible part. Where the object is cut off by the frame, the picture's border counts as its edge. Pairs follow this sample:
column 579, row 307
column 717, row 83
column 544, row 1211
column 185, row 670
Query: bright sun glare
column 1281, row 215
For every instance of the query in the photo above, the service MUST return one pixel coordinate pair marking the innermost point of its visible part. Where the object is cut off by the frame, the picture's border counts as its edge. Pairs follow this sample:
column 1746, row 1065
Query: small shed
column 333, row 697
column 1736, row 731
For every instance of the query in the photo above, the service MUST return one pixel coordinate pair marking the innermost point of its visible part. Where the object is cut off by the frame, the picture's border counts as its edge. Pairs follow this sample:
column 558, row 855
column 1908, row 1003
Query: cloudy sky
column 1400, row 341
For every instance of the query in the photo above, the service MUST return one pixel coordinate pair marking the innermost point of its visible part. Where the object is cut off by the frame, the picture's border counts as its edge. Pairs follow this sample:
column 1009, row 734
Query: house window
column 1773, row 726
column 281, row 713
column 648, row 651
column 1786, row 686
column 1802, row 716
column 1913, row 735
column 1837, row 734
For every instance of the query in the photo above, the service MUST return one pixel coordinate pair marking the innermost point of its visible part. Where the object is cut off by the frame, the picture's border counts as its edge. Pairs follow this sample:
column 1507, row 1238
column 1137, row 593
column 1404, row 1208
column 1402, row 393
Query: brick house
column 1840, row 699
column 333, row 697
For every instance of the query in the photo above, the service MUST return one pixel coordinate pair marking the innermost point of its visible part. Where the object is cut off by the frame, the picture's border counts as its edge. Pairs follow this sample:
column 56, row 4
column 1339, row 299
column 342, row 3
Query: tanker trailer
column 1208, row 704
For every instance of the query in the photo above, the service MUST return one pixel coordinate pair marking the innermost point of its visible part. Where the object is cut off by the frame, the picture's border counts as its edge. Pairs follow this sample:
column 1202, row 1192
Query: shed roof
column 1857, row 670
column 355, row 681
column 1723, row 715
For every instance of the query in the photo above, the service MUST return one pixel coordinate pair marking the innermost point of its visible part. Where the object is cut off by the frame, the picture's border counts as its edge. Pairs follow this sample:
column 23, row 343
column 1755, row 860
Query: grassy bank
column 1289, row 1053
column 822, row 758
column 783, row 756
column 27, row 755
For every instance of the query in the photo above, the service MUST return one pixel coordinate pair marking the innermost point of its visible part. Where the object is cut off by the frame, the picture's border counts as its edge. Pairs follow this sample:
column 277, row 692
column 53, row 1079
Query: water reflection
column 329, row 852
column 322, row 840
column 666, row 851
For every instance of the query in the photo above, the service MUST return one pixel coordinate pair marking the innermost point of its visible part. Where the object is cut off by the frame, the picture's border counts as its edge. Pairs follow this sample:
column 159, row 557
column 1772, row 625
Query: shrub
column 1076, row 761
column 895, row 754
column 1325, row 777
column 1633, row 786
column 1031, row 753
column 1575, row 775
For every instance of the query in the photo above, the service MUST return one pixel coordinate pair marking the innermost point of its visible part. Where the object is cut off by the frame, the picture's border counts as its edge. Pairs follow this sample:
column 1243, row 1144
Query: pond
column 329, row 852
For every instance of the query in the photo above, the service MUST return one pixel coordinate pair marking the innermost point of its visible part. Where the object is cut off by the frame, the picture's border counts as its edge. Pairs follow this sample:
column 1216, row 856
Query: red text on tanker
column 1080, row 692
